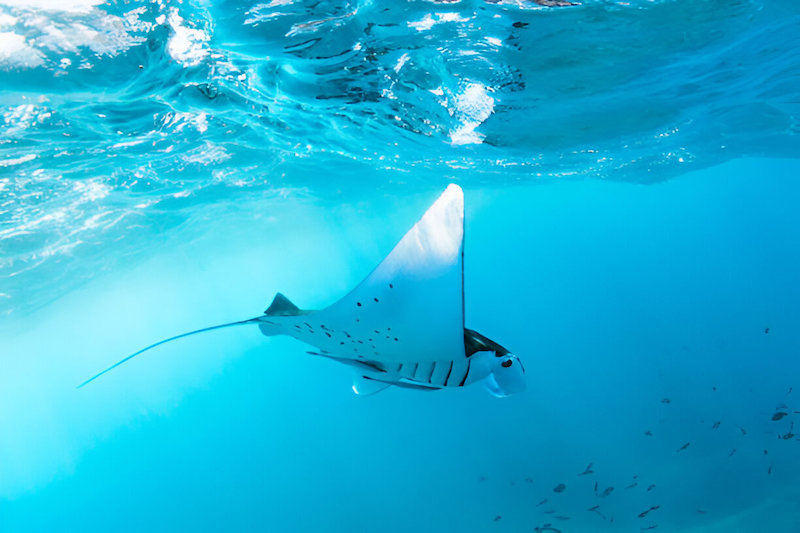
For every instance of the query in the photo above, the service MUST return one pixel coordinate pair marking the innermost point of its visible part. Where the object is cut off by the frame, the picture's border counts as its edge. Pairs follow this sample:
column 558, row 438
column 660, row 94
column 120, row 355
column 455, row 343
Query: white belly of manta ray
column 404, row 324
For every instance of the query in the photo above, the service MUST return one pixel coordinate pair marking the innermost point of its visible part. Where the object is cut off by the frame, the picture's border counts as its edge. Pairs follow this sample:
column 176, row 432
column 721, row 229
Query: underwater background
column 630, row 172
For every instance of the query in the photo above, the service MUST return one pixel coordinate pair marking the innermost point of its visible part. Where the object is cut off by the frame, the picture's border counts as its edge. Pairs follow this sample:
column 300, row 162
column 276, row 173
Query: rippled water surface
column 121, row 119
column 629, row 170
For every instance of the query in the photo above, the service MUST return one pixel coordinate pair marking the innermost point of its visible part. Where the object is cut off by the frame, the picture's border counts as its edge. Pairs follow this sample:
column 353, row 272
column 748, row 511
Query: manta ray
column 404, row 324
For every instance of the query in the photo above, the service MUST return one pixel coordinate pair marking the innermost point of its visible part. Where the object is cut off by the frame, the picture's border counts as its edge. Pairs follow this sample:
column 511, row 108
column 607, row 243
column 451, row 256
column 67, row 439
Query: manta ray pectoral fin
column 365, row 386
column 412, row 302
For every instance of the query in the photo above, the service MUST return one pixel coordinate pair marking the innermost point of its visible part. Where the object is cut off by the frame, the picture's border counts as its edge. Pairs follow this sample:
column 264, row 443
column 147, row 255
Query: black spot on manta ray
column 341, row 342
column 391, row 286
column 395, row 339
column 376, row 300
column 358, row 304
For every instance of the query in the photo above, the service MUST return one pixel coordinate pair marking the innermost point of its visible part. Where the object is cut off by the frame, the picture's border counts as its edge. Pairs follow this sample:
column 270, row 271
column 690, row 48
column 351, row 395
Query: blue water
column 631, row 182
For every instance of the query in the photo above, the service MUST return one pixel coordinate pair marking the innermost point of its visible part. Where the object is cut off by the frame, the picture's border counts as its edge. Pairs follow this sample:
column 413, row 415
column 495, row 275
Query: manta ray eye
column 507, row 363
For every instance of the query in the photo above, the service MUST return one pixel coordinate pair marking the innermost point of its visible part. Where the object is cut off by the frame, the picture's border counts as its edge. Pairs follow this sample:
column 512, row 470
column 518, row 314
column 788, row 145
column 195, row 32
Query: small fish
column 769, row 470
column 733, row 451
column 498, row 517
column 651, row 487
column 595, row 488
column 632, row 485
column 716, row 425
column 666, row 400
column 528, row 480
column 606, row 492
column 789, row 391
column 766, row 452
column 596, row 510
column 766, row 330
column 559, row 488
column 644, row 513
column 561, row 517
column 550, row 511
column 777, row 416
column 789, row 435
column 587, row 471
column 648, row 433
column 545, row 528
column 541, row 502
column 648, row 527
column 714, row 389
column 684, row 447
column 700, row 511
column 744, row 431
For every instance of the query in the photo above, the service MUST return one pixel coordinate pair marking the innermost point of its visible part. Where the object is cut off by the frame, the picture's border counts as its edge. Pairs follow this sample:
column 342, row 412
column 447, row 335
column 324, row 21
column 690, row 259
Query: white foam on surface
column 187, row 46
column 472, row 107
column 15, row 52
column 44, row 32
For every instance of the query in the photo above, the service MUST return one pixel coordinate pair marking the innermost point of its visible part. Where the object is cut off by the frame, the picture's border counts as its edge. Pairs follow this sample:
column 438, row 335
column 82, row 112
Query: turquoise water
column 632, row 233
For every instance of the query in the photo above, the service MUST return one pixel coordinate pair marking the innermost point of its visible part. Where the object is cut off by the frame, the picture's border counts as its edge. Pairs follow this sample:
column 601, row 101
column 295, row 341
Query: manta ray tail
column 176, row 337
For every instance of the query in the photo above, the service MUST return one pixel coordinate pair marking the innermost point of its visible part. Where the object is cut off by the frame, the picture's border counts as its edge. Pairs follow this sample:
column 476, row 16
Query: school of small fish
column 782, row 411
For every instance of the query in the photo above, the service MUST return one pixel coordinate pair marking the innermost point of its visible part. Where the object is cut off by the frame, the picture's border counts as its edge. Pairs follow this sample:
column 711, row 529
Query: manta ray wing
column 405, row 320
column 409, row 309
